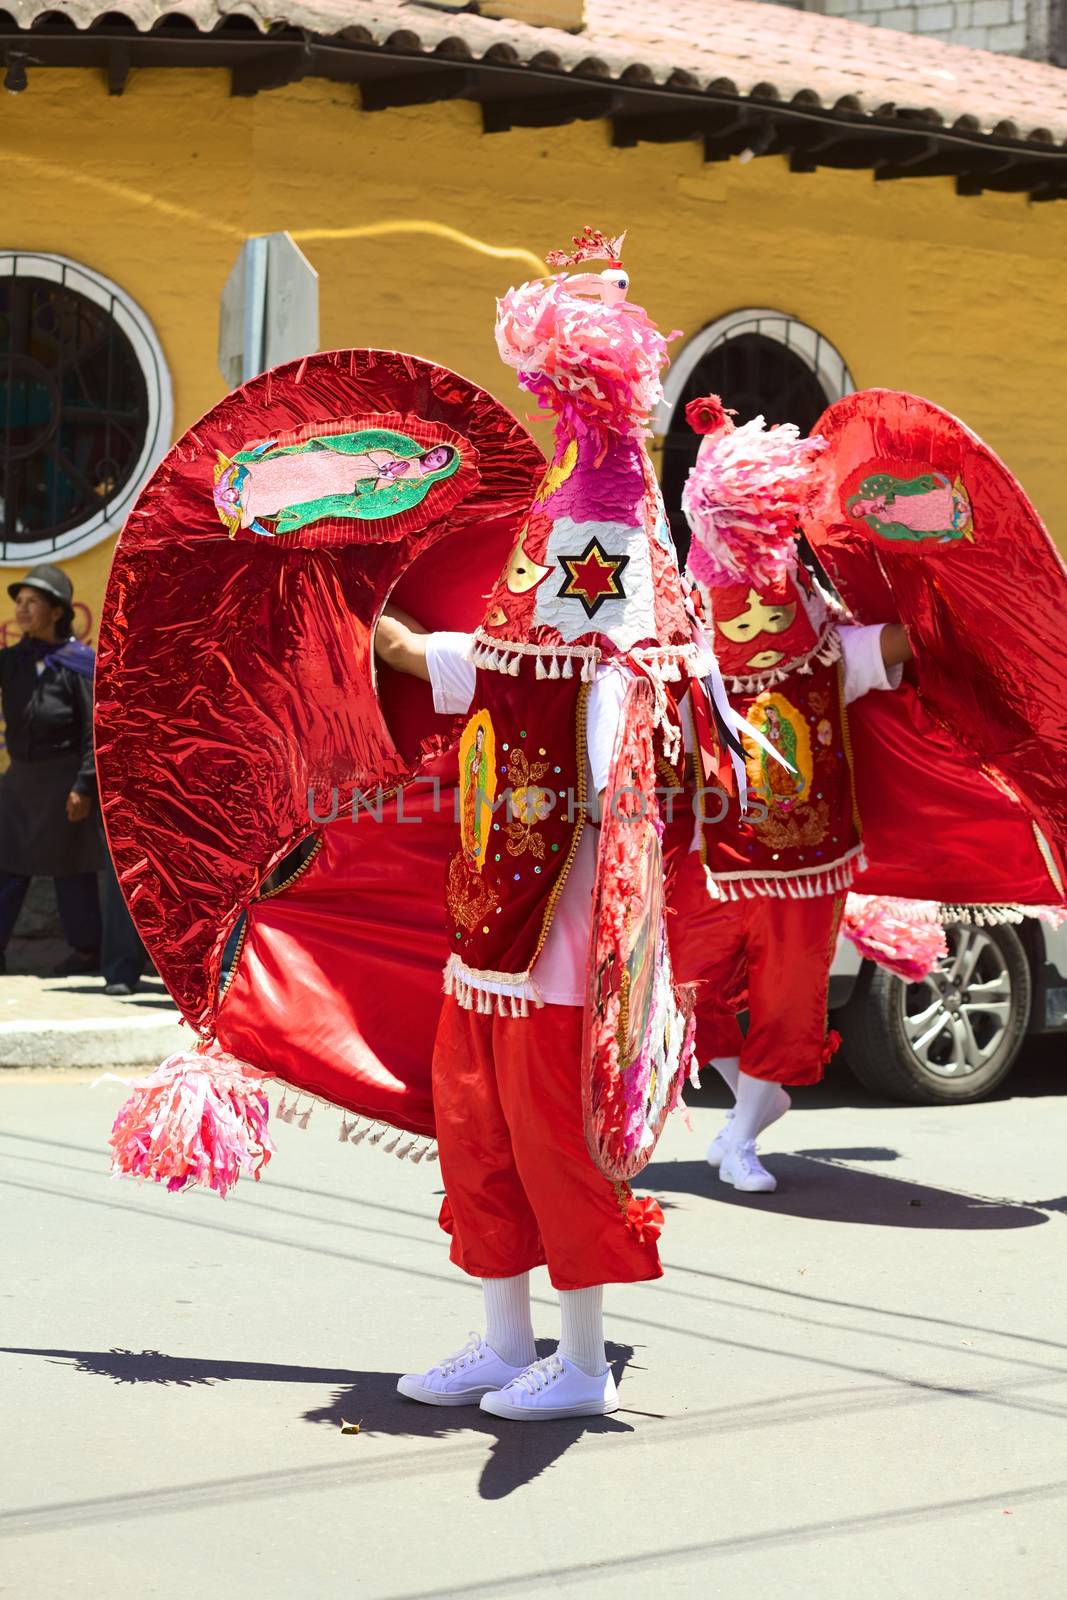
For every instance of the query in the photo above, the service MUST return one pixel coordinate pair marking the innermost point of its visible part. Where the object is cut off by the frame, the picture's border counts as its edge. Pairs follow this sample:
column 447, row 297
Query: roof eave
column 894, row 142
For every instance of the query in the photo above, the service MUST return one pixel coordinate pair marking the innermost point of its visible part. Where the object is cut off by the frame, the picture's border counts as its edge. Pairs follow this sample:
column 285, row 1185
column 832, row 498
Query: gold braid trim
column 299, row 873
column 698, row 781
column 1047, row 857
column 622, row 1032
column 846, row 744
column 236, row 962
column 557, row 887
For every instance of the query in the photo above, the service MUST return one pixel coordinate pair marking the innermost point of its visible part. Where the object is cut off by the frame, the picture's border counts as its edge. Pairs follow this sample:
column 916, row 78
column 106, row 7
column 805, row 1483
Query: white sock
column 508, row 1329
column 758, row 1103
column 581, row 1338
column 728, row 1068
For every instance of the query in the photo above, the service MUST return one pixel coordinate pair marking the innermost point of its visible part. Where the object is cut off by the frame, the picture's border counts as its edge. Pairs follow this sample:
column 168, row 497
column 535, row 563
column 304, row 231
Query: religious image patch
column 593, row 577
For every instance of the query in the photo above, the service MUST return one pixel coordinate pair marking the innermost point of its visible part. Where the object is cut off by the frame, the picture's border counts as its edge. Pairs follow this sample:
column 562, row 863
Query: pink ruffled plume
column 199, row 1119
column 901, row 935
column 581, row 358
column 744, row 497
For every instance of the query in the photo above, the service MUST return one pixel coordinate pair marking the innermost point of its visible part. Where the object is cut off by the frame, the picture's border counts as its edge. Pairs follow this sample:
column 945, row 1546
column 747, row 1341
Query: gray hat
column 51, row 581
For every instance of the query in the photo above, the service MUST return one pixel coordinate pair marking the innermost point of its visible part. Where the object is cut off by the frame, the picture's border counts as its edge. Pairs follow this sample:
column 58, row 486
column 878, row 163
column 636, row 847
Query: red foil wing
column 918, row 521
column 237, row 701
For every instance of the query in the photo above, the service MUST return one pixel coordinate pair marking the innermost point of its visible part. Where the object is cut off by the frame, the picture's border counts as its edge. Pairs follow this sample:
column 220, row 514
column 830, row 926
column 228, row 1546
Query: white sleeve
column 603, row 713
column 452, row 672
column 861, row 658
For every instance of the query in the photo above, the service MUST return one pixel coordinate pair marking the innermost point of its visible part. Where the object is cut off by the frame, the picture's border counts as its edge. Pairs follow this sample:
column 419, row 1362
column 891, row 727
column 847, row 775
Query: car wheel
column 954, row 1036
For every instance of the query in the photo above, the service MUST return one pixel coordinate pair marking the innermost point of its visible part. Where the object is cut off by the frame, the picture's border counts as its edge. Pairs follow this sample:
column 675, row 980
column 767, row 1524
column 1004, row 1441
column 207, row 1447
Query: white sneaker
column 552, row 1388
column 742, row 1167
column 721, row 1142
column 459, row 1380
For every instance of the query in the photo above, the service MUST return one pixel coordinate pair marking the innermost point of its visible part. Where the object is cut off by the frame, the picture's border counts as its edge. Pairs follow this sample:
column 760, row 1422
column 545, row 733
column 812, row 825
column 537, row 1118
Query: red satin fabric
column 985, row 611
column 935, row 826
column 770, row 955
column 235, row 676
column 522, row 1188
column 338, row 987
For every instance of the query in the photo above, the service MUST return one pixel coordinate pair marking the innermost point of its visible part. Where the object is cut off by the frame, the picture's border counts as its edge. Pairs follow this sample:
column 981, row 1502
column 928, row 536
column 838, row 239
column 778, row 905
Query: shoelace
column 471, row 1352
column 538, row 1375
column 747, row 1157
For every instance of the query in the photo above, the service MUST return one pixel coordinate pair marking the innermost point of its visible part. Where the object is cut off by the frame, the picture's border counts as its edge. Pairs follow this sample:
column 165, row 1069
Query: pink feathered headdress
column 744, row 496
column 589, row 358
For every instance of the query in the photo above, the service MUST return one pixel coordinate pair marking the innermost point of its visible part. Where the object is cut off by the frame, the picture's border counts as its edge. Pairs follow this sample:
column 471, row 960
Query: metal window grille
column 74, row 410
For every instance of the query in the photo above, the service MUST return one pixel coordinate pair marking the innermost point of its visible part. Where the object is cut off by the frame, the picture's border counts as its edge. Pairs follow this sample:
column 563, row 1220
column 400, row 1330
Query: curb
column 97, row 1042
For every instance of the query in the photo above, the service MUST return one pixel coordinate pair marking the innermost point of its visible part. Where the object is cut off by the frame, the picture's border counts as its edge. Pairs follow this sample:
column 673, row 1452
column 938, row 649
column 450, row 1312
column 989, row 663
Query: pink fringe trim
column 904, row 936
column 581, row 358
column 199, row 1119
column 743, row 499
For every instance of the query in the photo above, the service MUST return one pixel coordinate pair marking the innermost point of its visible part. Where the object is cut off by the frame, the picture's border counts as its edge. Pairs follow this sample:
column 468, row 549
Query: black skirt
column 36, row 840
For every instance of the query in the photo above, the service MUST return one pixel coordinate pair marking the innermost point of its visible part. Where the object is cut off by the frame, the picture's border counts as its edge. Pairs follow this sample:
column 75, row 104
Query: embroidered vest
column 522, row 780
column 809, row 840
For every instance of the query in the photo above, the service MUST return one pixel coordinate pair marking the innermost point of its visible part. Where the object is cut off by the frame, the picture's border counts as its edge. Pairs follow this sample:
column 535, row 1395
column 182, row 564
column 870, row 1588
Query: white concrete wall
column 1014, row 27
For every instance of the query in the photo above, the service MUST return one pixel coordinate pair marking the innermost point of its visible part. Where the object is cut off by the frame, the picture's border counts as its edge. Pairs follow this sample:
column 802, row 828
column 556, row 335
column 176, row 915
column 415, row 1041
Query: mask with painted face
column 757, row 630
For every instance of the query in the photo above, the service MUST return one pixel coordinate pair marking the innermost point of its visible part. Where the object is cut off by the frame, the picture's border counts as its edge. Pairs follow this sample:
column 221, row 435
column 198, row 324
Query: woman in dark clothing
column 49, row 819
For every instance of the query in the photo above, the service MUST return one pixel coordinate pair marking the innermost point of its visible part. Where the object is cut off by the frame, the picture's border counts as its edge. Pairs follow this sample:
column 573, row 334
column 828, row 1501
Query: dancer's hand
column 895, row 645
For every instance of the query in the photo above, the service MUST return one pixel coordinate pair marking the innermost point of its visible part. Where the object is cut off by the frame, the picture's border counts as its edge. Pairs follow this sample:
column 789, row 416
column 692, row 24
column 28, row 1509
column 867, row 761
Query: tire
column 955, row 1036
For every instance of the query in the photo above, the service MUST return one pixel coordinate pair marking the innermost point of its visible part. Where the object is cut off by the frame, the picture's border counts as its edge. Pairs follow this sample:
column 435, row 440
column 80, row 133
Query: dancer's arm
column 400, row 642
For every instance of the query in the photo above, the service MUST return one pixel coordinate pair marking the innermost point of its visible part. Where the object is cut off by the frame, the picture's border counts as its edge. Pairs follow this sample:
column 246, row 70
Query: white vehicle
column 957, row 1034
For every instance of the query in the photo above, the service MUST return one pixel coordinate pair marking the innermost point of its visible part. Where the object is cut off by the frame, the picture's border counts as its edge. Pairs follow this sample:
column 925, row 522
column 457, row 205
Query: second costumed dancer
column 758, row 894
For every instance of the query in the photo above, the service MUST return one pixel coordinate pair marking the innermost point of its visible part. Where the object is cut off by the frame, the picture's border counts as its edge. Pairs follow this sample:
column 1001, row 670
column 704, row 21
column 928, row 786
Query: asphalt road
column 856, row 1387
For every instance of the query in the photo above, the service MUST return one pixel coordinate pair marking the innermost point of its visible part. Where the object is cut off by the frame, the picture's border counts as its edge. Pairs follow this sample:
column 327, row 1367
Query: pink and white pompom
column 743, row 499
column 599, row 361
column 902, row 935
column 199, row 1119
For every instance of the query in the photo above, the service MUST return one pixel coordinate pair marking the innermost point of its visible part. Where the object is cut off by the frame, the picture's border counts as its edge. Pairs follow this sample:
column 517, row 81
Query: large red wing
column 919, row 521
column 935, row 826
column 235, row 682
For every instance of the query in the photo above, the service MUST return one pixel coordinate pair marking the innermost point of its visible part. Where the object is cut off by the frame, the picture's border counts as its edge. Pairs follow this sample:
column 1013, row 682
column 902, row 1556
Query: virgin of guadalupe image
column 478, row 786
column 777, row 785
column 370, row 474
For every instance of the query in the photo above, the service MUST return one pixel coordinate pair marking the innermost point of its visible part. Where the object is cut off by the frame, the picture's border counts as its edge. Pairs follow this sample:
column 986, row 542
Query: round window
column 85, row 406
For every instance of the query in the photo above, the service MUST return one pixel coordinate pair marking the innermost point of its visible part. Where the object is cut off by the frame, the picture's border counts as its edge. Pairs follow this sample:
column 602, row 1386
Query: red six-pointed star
column 593, row 577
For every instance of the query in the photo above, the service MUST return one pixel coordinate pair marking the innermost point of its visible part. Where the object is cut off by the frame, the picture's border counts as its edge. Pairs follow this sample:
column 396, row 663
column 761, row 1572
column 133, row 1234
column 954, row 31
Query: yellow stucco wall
column 964, row 301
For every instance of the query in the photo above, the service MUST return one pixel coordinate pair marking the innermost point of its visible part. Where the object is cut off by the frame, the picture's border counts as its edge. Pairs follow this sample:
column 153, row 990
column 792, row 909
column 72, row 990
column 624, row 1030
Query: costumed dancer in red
column 590, row 597
column 758, row 891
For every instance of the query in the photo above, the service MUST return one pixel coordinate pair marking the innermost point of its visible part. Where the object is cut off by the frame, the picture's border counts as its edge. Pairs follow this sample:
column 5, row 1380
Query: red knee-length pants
column 521, row 1188
column 773, row 956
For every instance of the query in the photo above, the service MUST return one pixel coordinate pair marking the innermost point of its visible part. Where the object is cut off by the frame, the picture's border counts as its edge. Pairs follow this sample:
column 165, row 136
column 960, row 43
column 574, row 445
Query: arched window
column 85, row 406
column 761, row 363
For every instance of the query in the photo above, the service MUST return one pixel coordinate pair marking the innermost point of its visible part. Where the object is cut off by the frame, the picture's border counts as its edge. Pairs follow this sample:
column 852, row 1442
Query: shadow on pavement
column 518, row 1453
column 821, row 1188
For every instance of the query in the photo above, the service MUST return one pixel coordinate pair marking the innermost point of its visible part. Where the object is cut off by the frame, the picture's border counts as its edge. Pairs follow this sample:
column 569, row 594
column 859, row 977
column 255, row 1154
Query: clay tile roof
column 749, row 47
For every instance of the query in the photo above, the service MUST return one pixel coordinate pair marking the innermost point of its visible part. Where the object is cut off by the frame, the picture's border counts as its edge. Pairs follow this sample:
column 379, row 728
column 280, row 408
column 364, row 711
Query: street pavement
column 856, row 1387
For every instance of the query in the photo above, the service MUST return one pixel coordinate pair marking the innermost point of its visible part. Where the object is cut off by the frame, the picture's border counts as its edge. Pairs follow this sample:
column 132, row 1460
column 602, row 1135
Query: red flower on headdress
column 831, row 1045
column 644, row 1217
column 708, row 414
